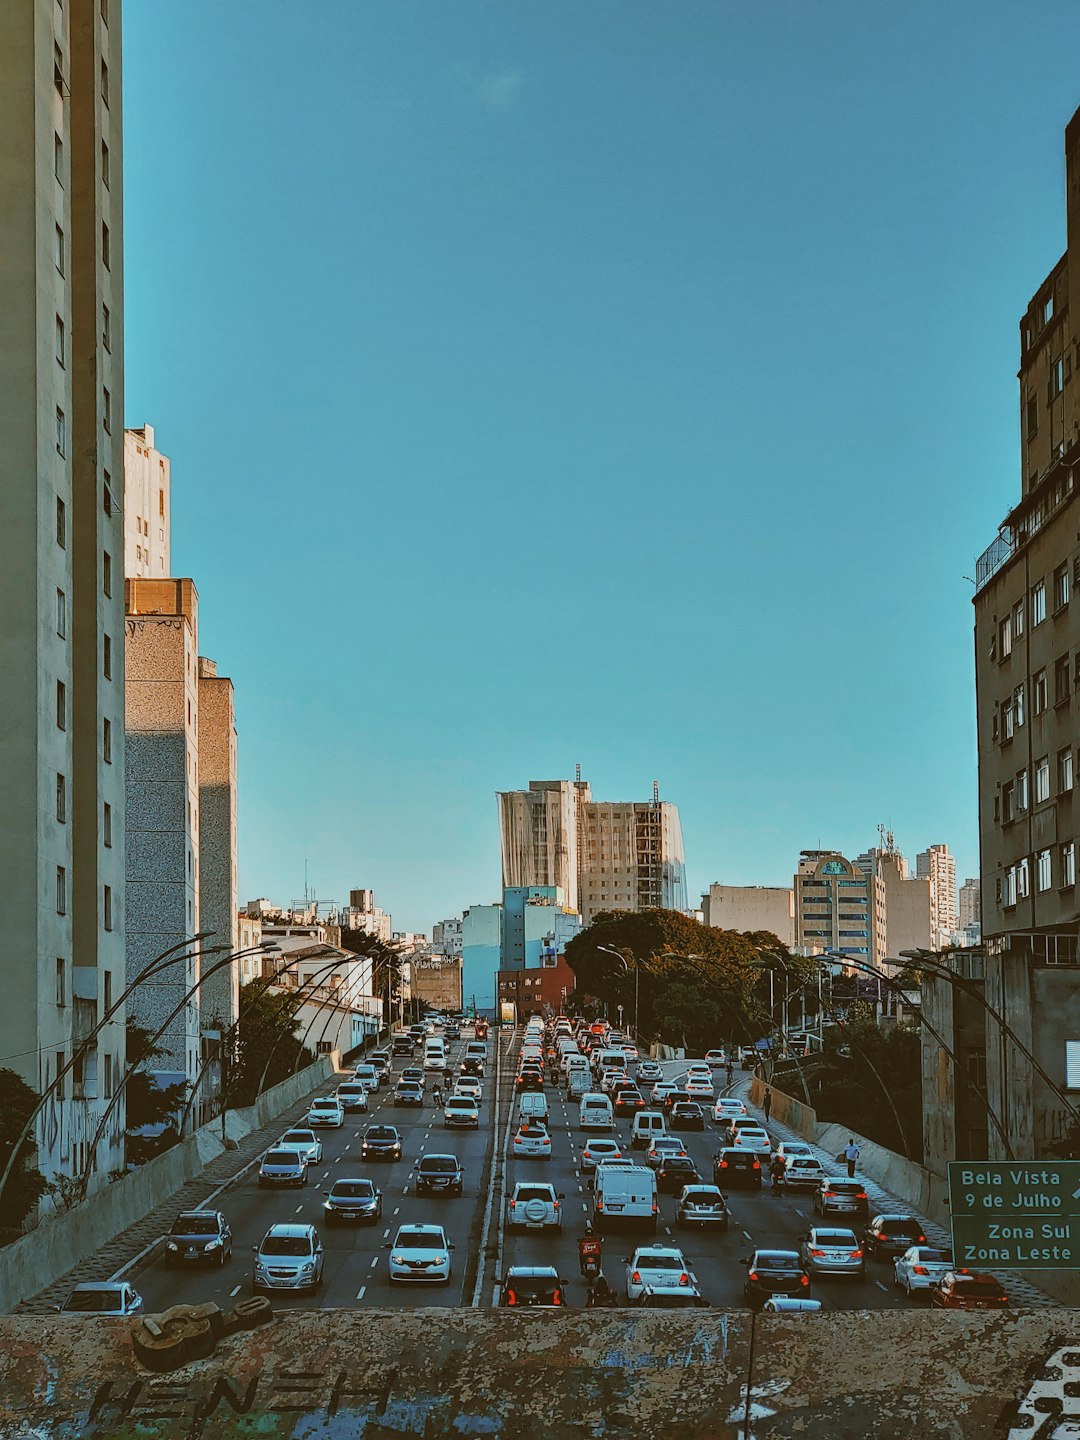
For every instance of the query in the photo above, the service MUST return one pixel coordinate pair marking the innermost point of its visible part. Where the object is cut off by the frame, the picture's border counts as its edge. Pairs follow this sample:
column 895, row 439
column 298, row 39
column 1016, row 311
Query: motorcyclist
column 600, row 1295
column 730, row 1073
column 589, row 1249
column 438, row 1093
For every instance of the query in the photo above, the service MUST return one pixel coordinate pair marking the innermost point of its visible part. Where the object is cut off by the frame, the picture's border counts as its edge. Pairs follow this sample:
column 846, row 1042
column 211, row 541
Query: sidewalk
column 113, row 1260
column 1020, row 1291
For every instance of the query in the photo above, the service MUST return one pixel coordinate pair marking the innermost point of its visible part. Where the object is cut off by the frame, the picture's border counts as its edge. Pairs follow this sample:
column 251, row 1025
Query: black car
column 530, row 1080
column 532, row 1286
column 473, row 1065
column 628, row 1101
column 686, row 1115
column 197, row 1236
column 733, row 1169
column 439, row 1174
column 381, row 1142
column 403, row 1045
column 890, row 1235
column 774, row 1272
column 408, row 1092
column 357, row 1201
column 675, row 1172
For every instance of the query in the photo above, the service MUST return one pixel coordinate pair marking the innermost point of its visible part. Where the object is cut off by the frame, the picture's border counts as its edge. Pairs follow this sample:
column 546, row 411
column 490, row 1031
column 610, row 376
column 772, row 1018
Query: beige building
column 1027, row 669
column 751, row 907
column 147, row 508
column 61, row 642
column 970, row 910
column 937, row 865
column 838, row 907
column 908, row 901
column 220, row 996
column 540, row 832
column 437, row 979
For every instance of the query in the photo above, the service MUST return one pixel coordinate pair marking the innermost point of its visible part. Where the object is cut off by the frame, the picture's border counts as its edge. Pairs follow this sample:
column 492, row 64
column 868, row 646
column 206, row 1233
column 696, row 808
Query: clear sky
column 623, row 382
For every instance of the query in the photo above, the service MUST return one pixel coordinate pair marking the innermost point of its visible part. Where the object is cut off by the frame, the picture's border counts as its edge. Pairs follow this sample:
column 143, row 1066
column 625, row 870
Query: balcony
column 1054, row 488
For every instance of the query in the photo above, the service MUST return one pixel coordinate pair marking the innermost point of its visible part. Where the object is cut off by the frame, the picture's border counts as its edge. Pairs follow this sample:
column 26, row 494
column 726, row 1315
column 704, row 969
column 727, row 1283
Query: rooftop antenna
column 656, row 792
column 577, row 773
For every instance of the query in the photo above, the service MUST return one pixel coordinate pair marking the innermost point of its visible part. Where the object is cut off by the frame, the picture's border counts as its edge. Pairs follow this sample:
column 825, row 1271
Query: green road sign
column 1015, row 1215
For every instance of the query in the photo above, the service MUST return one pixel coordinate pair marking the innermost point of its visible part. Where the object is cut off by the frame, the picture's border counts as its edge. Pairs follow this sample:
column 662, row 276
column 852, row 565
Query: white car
column 663, row 1148
column 594, row 1151
column 652, row 1265
column 803, row 1170
column 728, row 1108
column 469, row 1085
column 921, row 1267
column 533, row 1207
column 421, row 1253
column 531, row 1142
column 662, row 1089
column 306, row 1142
column 699, row 1088
column 754, row 1140
column 790, row 1148
column 716, row 1059
column 461, row 1112
column 328, row 1114
column 630, row 1051
column 649, row 1071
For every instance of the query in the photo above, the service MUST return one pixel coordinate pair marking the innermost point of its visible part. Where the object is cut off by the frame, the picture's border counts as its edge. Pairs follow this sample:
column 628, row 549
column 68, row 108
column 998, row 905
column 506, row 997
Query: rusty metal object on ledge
column 190, row 1332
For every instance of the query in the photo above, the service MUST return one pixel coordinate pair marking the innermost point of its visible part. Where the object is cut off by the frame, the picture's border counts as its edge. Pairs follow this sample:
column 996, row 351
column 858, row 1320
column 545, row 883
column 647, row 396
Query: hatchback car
column 534, row 1207
column 197, row 1236
column 531, row 1142
column 306, row 1141
column 967, row 1290
column 529, row 1080
column 755, row 1139
column 774, row 1272
column 716, row 1059
column 595, row 1150
column 532, row 1287
column 648, row 1071
column 408, row 1092
column 289, row 1257
column 461, row 1112
column 414, row 1072
column 327, row 1114
column 420, row 1253
column 698, row 1087
column 675, row 1172
column 736, row 1169
column 661, row 1149
column 381, row 1142
column 662, row 1089
column 673, row 1098
column 890, row 1235
column 283, row 1167
column 102, row 1297
column 702, row 1205
column 802, row 1172
column 353, row 1201
column 840, row 1197
column 920, row 1268
column 469, row 1085
column 353, row 1096
column 473, row 1065
column 656, row 1265
column 670, row 1297
column 439, row 1175
column 789, row 1149
column 826, row 1251
column 686, row 1115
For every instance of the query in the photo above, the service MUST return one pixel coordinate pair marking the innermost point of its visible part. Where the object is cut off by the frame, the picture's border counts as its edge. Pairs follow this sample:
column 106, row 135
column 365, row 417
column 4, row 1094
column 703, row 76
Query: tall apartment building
column 446, row 936
column 839, row 907
column 219, row 997
column 61, row 583
column 147, row 507
column 937, row 865
column 1027, row 669
column 908, row 901
column 751, row 907
column 602, row 855
column 970, row 910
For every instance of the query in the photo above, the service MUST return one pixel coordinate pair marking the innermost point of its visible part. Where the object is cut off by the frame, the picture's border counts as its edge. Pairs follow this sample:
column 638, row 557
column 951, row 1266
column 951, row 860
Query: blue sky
column 626, row 384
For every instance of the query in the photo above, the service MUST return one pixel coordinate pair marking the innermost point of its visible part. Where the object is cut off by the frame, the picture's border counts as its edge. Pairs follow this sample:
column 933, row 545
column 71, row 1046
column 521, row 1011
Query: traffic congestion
column 550, row 1166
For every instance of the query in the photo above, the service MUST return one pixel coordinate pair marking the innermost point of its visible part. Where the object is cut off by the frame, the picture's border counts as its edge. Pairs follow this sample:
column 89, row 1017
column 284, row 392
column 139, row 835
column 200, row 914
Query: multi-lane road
column 356, row 1258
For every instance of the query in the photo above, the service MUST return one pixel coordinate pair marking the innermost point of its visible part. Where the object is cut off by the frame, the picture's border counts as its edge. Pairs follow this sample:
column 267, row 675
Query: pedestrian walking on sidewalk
column 851, row 1154
column 766, row 1103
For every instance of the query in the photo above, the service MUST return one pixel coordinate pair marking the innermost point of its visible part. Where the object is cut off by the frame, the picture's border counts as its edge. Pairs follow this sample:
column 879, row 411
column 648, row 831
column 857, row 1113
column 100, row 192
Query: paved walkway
column 113, row 1260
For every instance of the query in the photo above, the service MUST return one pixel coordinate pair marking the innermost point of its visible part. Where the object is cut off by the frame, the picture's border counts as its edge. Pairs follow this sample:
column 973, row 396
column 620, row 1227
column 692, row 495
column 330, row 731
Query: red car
column 966, row 1290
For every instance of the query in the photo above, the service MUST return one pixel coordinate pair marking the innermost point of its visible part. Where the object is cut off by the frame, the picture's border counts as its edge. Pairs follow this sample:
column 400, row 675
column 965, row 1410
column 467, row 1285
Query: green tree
column 146, row 1103
column 871, row 1080
column 25, row 1185
column 267, row 1034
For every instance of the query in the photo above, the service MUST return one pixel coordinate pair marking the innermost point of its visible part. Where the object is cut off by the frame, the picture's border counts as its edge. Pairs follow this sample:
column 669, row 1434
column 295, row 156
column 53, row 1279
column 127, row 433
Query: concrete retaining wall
column 38, row 1259
column 785, row 1108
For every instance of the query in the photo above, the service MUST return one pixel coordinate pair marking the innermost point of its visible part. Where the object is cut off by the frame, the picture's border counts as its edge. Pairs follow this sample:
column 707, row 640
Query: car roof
column 787, row 1254
column 421, row 1229
column 452, row 1158
column 532, row 1272
column 659, row 1250
column 288, row 1228
column 107, row 1285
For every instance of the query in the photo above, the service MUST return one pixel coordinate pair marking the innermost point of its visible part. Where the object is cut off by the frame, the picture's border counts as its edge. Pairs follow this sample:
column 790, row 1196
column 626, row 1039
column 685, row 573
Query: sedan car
column 921, row 1268
column 733, row 1169
column 788, row 1149
column 675, row 1172
column 353, row 1201
column 686, row 1115
column 408, row 1092
column 890, row 1235
column 662, row 1089
column 774, row 1272
column 699, row 1088
column 353, row 1096
column 439, row 1175
column 826, row 1251
column 628, row 1102
column 381, row 1142
column 289, row 1257
column 702, row 1205
column 306, row 1141
column 469, row 1085
column 840, row 1197
column 670, row 1297
column 283, row 1167
column 661, row 1149
column 461, row 1112
column 327, row 1114
column 755, row 1140
column 716, row 1059
column 532, row 1287
column 531, row 1142
column 199, row 1236
column 595, row 1150
column 420, row 1253
column 801, row 1172
column 967, row 1290
column 648, row 1072
column 534, row 1207
column 728, row 1108
column 473, row 1065
column 656, row 1265
column 102, row 1297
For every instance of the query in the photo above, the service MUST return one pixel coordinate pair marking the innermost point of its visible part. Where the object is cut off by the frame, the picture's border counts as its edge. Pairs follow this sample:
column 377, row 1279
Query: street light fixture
column 627, row 957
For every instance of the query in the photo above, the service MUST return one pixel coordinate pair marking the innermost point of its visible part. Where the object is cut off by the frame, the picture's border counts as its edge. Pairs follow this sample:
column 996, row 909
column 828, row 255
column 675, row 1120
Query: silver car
column 306, row 1141
column 290, row 1257
column 829, row 1251
column 283, row 1167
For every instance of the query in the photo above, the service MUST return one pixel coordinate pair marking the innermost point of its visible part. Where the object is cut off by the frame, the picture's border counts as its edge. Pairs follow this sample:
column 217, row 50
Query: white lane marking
column 235, row 1291
column 397, row 1210
column 360, row 1292
column 667, row 1229
column 298, row 1209
column 386, row 1232
column 882, row 1286
column 748, row 1235
column 584, row 1207
column 374, row 1262
column 405, row 1189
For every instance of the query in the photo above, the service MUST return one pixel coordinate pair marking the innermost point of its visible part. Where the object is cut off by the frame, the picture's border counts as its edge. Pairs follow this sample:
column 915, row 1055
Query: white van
column 595, row 1112
column 533, row 1105
column 578, row 1083
column 435, row 1055
column 647, row 1125
column 607, row 1060
column 625, row 1192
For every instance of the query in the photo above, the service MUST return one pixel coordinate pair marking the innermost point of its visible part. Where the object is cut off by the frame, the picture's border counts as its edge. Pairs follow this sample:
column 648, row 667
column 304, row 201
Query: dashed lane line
column 748, row 1236
column 298, row 1209
column 235, row 1290
column 361, row 1292
column 882, row 1286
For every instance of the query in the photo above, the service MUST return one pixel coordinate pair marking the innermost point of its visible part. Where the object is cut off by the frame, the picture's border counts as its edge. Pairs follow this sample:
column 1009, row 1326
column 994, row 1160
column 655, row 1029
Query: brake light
column 655, row 1208
column 855, row 1255
column 684, row 1279
column 556, row 1298
column 723, row 1164
column 511, row 1297
column 965, row 1271
column 635, row 1278
column 752, row 1275
column 920, row 1270
column 757, row 1165
column 922, row 1239
column 556, row 1204
column 804, row 1279
column 817, row 1253
column 599, row 1205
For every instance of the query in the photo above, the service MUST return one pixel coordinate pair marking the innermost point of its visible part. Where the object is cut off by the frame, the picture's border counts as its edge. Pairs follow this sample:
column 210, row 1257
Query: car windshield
column 421, row 1240
column 195, row 1225
column 833, row 1237
column 353, row 1188
column 703, row 1193
column 679, row 1162
column 533, row 1192
column 381, row 1132
column 774, row 1260
column 299, row 1137
column 93, row 1301
column 324, row 1105
column 647, row 1261
column 291, row 1245
column 460, row 1102
column 438, row 1165
column 283, row 1157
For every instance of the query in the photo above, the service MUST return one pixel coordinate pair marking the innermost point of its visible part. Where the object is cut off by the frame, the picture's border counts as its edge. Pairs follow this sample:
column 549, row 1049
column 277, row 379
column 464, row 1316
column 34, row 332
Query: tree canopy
column 25, row 1185
column 267, row 1034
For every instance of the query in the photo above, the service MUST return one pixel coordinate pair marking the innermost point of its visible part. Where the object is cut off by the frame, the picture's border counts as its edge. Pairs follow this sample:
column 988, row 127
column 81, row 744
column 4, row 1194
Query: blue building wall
column 481, row 938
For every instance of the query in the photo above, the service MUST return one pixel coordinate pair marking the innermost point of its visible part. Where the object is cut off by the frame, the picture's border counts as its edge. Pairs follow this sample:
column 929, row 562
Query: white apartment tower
column 61, row 576
column 938, row 866
column 147, row 507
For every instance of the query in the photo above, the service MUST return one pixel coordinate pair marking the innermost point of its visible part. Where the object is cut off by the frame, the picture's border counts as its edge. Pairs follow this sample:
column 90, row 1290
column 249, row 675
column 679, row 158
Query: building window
column 1021, row 791
column 161, row 508
column 61, row 614
column 106, row 410
column 58, row 70
column 61, row 890
column 58, row 158
column 1068, row 864
column 1062, row 588
column 106, row 1003
column 106, row 249
column 1056, row 382
column 106, row 656
column 107, row 906
column 1005, row 638
column 106, row 495
column 108, row 1077
column 106, row 327
column 1018, row 703
column 1007, row 720
column 1065, row 771
column 106, row 741
column 105, row 84
column 61, row 1078
column 1023, row 879
column 1032, row 409
column 1008, row 888
column 975, row 1064
column 61, row 705
column 61, row 348
column 106, row 825
column 1038, row 692
column 106, row 573
column 1042, row 870
column 1048, row 308
column 1042, row 779
column 59, row 253
column 61, row 798
column 1061, row 680
column 105, row 164
column 61, row 982
column 1018, row 620
column 1038, row 603
column 61, row 432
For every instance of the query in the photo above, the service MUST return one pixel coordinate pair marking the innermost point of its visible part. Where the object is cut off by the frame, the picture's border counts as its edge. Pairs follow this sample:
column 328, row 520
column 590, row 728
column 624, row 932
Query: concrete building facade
column 938, row 865
column 839, row 907
column 751, row 907
column 481, row 935
column 446, row 936
column 219, row 997
column 970, row 909
column 147, row 507
column 540, row 832
column 908, row 901
column 61, row 592
column 437, row 979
